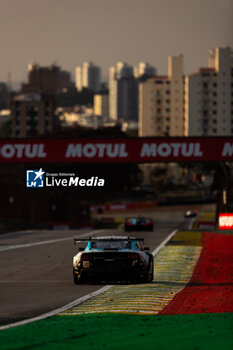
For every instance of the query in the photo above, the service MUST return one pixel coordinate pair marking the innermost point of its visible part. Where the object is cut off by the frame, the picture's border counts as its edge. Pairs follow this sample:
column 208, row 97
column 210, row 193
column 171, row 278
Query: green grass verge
column 119, row 331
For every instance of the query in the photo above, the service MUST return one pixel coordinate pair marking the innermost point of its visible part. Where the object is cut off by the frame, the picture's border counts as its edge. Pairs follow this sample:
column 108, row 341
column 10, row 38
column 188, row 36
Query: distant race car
column 115, row 258
column 190, row 214
column 139, row 224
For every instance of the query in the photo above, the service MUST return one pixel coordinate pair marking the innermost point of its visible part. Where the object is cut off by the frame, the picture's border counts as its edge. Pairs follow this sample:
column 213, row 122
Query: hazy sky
column 106, row 31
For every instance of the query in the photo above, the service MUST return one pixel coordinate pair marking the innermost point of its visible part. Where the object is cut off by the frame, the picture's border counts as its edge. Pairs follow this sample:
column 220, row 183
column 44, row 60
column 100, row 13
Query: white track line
column 59, row 310
column 191, row 223
column 156, row 250
column 26, row 245
column 80, row 300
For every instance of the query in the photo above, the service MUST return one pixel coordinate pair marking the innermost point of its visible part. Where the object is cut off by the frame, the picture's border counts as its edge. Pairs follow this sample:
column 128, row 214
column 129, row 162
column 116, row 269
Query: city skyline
column 71, row 32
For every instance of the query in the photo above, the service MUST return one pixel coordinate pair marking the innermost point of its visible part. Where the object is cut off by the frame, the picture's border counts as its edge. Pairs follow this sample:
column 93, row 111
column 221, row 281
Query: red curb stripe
column 211, row 286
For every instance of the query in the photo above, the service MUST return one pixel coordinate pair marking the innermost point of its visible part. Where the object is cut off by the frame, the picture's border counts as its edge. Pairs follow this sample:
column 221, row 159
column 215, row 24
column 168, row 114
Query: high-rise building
column 3, row 95
column 161, row 102
column 32, row 114
column 101, row 105
column 144, row 70
column 209, row 96
column 46, row 80
column 123, row 89
column 88, row 76
column 123, row 93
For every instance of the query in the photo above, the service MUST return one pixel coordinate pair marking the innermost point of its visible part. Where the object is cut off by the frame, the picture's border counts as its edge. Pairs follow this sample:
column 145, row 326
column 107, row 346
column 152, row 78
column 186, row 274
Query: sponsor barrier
column 123, row 206
column 172, row 149
column 61, row 226
column 226, row 221
column 209, row 225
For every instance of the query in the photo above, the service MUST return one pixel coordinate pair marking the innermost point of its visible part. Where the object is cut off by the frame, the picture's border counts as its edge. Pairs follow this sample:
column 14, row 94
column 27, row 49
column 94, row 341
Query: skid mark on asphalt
column 173, row 268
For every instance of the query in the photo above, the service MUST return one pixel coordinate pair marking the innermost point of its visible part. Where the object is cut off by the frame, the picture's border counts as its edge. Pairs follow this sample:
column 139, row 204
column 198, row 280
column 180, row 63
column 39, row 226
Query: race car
column 190, row 214
column 115, row 258
column 138, row 224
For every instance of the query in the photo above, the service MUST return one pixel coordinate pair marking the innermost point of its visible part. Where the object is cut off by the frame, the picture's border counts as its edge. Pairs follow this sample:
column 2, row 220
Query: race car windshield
column 107, row 245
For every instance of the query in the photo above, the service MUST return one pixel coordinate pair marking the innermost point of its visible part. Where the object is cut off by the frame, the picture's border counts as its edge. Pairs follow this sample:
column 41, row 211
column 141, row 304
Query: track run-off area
column 189, row 305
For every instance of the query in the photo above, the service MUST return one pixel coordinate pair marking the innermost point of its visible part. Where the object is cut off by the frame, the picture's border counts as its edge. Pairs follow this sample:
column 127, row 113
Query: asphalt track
column 36, row 266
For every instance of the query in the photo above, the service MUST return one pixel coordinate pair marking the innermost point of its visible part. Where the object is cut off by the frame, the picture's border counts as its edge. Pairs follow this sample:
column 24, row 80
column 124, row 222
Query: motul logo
column 184, row 149
column 99, row 150
column 22, row 151
column 226, row 221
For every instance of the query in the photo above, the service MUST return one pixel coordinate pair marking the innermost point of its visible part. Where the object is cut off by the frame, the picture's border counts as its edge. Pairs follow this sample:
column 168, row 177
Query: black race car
column 190, row 214
column 139, row 223
column 115, row 258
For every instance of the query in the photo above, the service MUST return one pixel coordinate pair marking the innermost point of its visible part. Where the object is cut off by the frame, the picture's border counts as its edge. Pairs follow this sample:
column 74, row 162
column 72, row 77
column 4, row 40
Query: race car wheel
column 77, row 279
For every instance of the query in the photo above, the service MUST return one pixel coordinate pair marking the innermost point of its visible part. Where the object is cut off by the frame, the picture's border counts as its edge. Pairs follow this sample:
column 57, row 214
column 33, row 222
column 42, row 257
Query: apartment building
column 209, row 97
column 121, row 97
column 49, row 81
column 101, row 105
column 88, row 76
column 32, row 114
column 161, row 102
column 143, row 69
column 123, row 89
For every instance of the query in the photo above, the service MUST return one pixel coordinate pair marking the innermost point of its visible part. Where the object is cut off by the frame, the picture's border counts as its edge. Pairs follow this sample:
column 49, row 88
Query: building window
column 215, row 84
column 167, row 109
column 214, row 112
column 214, row 131
column 214, row 103
column 167, row 92
column 214, row 121
column 214, row 93
column 167, row 101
